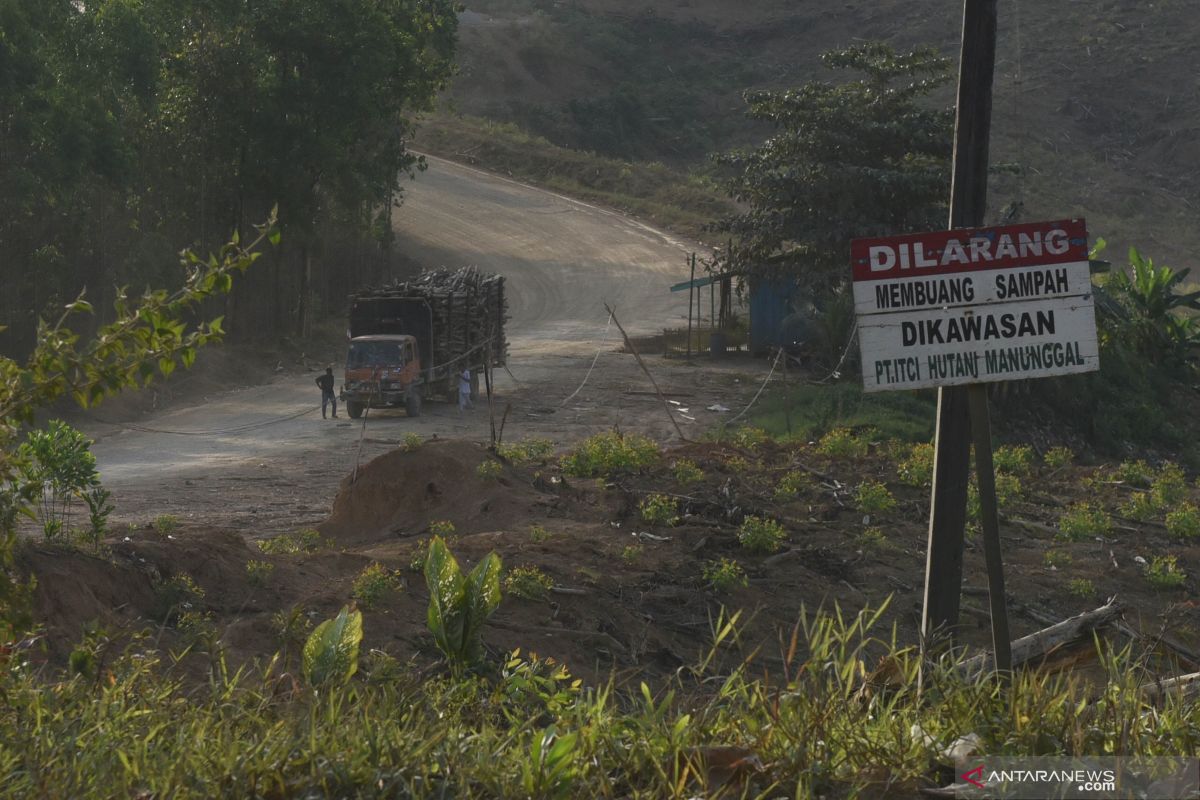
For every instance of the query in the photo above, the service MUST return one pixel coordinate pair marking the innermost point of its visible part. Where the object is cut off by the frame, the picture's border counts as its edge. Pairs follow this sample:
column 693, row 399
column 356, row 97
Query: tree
column 864, row 158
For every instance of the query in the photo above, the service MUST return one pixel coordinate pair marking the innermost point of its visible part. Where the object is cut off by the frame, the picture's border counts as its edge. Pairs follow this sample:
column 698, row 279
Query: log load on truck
column 411, row 340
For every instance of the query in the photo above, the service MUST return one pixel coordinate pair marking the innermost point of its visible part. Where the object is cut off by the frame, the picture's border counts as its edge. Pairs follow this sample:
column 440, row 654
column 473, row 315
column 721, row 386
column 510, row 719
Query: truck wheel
column 412, row 403
column 354, row 409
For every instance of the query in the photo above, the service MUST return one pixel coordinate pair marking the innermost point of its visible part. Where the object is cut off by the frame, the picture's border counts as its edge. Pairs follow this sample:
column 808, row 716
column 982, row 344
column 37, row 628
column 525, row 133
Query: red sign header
column 923, row 255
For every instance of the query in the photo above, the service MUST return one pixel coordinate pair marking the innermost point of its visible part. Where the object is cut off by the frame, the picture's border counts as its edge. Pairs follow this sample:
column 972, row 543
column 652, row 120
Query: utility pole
column 968, row 200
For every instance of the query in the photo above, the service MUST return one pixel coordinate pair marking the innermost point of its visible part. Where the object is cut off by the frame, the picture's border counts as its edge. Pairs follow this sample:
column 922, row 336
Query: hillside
column 1098, row 102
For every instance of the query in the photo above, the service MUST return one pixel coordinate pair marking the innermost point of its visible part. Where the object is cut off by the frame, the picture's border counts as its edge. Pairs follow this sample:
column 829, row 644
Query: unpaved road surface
column 261, row 459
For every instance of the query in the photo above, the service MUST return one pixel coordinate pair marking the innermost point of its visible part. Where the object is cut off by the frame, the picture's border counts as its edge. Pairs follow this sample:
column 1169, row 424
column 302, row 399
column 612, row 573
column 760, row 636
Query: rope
column 758, row 394
column 596, row 358
column 837, row 371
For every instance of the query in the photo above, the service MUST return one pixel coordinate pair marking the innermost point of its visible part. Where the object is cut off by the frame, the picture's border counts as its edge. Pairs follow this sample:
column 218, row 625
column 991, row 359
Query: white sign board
column 973, row 306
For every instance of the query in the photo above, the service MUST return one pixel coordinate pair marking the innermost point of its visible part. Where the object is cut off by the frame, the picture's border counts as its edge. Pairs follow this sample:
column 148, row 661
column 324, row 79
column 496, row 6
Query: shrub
column 488, row 469
column 872, row 497
column 917, row 469
column 442, row 527
column 259, row 572
column 1082, row 521
column 1163, row 572
column 873, row 538
column 686, row 471
column 749, row 437
column 526, row 451
column 1184, row 522
column 1056, row 558
column 1169, row 486
column 842, row 443
column 57, row 462
column 1014, row 460
column 759, row 535
column 460, row 605
column 538, row 534
column 791, row 485
column 166, row 524
column 373, row 583
column 1058, row 457
column 1135, row 473
column 1140, row 506
column 724, row 574
column 197, row 627
column 1082, row 588
column 176, row 595
column 659, row 509
column 606, row 453
column 736, row 464
column 528, row 583
column 412, row 441
column 308, row 540
column 632, row 552
column 99, row 506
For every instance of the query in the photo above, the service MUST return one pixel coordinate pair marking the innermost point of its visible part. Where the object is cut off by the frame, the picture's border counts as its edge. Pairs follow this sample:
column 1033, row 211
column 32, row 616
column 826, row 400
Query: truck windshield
column 375, row 354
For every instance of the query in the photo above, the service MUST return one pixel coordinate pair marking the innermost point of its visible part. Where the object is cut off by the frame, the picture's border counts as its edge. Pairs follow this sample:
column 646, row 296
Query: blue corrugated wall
column 770, row 303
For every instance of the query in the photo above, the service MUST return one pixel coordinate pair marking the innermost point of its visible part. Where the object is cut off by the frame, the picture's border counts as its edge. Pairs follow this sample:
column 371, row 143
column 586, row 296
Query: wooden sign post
column 969, row 307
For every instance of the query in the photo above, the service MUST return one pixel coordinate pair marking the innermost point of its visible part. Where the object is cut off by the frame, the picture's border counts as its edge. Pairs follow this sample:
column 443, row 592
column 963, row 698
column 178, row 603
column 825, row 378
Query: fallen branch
column 1043, row 642
column 1183, row 686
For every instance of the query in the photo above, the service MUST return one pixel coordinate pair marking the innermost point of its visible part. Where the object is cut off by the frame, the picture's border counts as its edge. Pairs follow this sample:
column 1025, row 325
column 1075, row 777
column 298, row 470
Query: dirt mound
column 400, row 492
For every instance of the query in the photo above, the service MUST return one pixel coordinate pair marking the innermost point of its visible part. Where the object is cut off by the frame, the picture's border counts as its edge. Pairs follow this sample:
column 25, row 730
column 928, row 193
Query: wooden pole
column 968, row 200
column 691, row 291
column 981, row 433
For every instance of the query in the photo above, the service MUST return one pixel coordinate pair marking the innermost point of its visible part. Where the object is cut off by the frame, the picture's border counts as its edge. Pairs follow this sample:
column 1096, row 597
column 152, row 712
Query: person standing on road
column 325, row 382
column 464, row 390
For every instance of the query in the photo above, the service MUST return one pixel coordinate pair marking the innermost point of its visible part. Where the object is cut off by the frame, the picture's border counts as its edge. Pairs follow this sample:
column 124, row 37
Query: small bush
column 526, row 451
column 748, row 437
column 1135, row 473
column 176, row 595
column 686, row 471
column 1169, row 486
column 528, row 583
column 1058, row 457
column 259, row 572
column 791, row 485
column 659, row 509
column 872, row 497
column 632, row 552
column 197, row 627
column 724, row 574
column 1082, row 588
column 538, row 534
column 842, row 443
column 412, row 441
column 291, row 626
column 872, row 538
column 165, row 524
column 606, row 453
column 917, row 469
column 1014, row 460
column 1056, row 558
column 488, row 469
column 1184, row 522
column 442, row 527
column 308, row 540
column 373, row 583
column 1163, row 572
column 1140, row 506
column 759, row 535
column 737, row 465
column 1084, row 521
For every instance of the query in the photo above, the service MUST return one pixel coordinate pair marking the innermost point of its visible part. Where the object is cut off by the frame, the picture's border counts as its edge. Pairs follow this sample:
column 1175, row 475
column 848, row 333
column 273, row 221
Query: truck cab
column 382, row 371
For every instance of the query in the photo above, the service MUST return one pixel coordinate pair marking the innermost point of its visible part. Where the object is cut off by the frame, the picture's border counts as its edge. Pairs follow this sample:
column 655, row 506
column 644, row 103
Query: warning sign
column 972, row 306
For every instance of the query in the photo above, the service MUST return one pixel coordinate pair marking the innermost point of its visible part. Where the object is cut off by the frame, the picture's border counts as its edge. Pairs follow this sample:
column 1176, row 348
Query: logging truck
column 410, row 341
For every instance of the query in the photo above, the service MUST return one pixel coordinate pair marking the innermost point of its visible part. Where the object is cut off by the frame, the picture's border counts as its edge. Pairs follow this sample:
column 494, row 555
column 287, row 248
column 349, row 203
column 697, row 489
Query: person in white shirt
column 464, row 390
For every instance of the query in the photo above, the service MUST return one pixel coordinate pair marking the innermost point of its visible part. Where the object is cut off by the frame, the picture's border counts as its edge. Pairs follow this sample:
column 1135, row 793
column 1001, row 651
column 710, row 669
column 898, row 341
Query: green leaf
column 482, row 597
column 331, row 652
column 444, row 617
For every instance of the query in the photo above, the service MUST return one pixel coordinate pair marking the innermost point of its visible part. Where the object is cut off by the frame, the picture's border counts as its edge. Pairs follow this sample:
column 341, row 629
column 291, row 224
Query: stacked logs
column 469, row 311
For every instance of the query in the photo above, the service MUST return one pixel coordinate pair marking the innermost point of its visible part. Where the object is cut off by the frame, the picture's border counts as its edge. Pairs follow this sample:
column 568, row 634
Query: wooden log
column 1041, row 643
column 1183, row 686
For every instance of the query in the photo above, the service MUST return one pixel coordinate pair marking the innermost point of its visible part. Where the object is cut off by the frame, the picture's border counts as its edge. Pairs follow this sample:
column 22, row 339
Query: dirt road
column 262, row 459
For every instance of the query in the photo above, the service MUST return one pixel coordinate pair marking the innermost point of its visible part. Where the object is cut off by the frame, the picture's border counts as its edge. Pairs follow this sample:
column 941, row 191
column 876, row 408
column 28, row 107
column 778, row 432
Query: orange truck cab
column 382, row 371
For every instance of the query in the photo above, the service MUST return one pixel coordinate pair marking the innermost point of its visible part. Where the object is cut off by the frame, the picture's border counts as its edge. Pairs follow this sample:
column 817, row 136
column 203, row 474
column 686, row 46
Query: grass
column 308, row 540
column 806, row 412
column 400, row 733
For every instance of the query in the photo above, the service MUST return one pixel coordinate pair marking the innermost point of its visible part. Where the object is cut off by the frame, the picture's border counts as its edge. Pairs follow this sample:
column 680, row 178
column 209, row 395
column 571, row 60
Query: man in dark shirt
column 327, row 395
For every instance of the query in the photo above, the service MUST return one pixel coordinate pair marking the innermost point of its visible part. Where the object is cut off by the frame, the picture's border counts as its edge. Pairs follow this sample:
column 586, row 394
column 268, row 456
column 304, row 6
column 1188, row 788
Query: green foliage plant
column 1163, row 572
column 489, row 469
column 99, row 505
column 1140, row 506
column 330, row 656
column 917, row 469
column 630, row 553
column 57, row 460
column 460, row 605
column 258, row 572
column 842, row 443
column 1058, row 457
column 165, row 524
column 761, row 535
column 528, row 583
column 604, row 454
column 659, row 510
column 526, row 451
column 538, row 534
column 1184, row 522
column 442, row 527
column 1145, row 310
column 791, row 485
column 411, row 442
column 308, row 540
column 1169, row 486
column 1082, row 588
column 1013, row 459
column 1083, row 520
column 872, row 497
column 724, row 574
column 372, row 584
column 686, row 472
column 1056, row 558
column 1135, row 473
